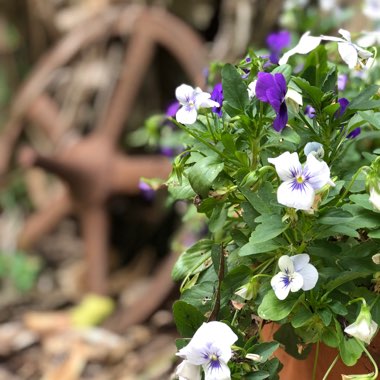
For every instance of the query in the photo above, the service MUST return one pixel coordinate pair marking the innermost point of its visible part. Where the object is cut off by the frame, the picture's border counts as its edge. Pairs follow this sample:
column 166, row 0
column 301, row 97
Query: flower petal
column 281, row 119
column 186, row 115
column 279, row 287
column 184, row 93
column 286, row 265
column 221, row 372
column 299, row 197
column 310, row 276
column 300, row 261
column 374, row 198
column 305, row 45
column 317, row 172
column 348, row 53
column 287, row 165
column 345, row 34
column 252, row 89
column 265, row 81
column 188, row 371
column 297, row 282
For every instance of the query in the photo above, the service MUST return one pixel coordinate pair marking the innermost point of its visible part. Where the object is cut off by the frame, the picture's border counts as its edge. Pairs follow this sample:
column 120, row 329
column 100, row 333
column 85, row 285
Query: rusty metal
column 93, row 168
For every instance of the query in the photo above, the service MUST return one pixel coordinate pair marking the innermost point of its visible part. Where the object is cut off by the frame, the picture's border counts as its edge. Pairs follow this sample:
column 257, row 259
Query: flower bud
column 314, row 148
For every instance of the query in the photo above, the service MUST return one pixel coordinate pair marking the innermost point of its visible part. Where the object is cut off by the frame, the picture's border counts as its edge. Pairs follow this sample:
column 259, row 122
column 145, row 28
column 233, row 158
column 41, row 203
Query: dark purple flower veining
column 272, row 89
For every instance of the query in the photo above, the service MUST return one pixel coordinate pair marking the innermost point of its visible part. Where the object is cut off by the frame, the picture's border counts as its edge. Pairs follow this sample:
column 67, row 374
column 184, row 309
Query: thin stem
column 349, row 186
column 316, row 361
column 370, row 358
column 331, row 367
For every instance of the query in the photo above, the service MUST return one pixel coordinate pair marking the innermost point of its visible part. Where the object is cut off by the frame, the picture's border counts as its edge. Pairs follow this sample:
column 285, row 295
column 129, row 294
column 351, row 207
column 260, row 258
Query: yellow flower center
column 300, row 179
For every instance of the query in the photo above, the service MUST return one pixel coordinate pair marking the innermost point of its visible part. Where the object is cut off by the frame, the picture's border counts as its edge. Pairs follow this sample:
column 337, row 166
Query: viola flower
column 191, row 100
column 342, row 82
column 300, row 183
column 314, row 148
column 310, row 111
column 364, row 328
column 374, row 197
column 343, row 102
column 276, row 42
column 305, row 45
column 146, row 191
column 295, row 273
column 210, row 348
column 354, row 133
column 217, row 96
column 272, row 89
column 172, row 108
column 350, row 53
column 371, row 9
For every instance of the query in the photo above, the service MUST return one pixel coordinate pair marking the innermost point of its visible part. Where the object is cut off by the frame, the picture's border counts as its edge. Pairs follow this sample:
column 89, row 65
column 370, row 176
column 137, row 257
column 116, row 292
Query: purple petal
column 354, row 133
column 342, row 82
column 278, row 41
column 172, row 109
column 281, row 83
column 310, row 111
column 281, row 118
column 343, row 105
column 217, row 95
column 265, row 81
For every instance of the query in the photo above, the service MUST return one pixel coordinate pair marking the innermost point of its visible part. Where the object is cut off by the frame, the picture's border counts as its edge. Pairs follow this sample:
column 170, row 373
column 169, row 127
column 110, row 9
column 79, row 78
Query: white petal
column 296, row 283
column 318, row 172
column 345, row 34
column 368, row 39
column 294, row 95
column 300, row 199
column 252, row 89
column 188, row 371
column 280, row 289
column 213, row 332
column 305, row 45
column 348, row 53
column 362, row 330
column 220, row 373
column 300, row 261
column 286, row 165
column 363, row 53
column 374, row 198
column 310, row 276
column 285, row 263
column 183, row 93
column 186, row 115
column 332, row 38
column 205, row 103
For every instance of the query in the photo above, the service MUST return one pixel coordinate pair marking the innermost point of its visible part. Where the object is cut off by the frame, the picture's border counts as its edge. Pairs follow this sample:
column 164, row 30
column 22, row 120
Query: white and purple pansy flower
column 300, row 182
column 191, row 99
column 210, row 347
column 295, row 273
column 271, row 88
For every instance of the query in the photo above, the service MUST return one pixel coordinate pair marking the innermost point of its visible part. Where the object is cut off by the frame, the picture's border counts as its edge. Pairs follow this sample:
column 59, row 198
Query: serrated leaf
column 363, row 100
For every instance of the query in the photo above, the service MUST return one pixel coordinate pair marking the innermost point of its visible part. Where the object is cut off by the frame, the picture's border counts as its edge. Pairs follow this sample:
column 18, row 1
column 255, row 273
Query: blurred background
column 86, row 247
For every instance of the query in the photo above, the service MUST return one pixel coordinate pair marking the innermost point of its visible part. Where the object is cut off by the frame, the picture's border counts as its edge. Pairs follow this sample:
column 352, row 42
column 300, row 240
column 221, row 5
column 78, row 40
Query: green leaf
column 187, row 318
column 257, row 375
column 335, row 216
column 285, row 70
column 329, row 337
column 193, row 260
column 271, row 227
column 218, row 217
column 343, row 278
column 350, row 351
column 363, row 100
column 234, row 90
column 374, row 234
column 302, row 316
column 314, row 94
column 289, row 339
column 264, row 200
column 271, row 308
column 371, row 117
column 362, row 200
column 200, row 296
column 252, row 248
column 265, row 350
column 203, row 173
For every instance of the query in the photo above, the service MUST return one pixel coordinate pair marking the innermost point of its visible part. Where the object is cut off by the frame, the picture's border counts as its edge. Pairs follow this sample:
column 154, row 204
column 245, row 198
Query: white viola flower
column 369, row 39
column 364, row 328
column 371, row 9
column 300, row 183
column 252, row 89
column 351, row 53
column 191, row 99
column 187, row 371
column 374, row 197
column 295, row 273
column 305, row 45
column 210, row 347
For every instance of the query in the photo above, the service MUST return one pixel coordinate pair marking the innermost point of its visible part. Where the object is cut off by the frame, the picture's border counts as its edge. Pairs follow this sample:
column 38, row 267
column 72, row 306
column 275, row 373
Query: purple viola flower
column 146, row 191
column 343, row 102
column 272, row 89
column 310, row 111
column 172, row 109
column 342, row 82
column 217, row 95
column 354, row 133
column 276, row 42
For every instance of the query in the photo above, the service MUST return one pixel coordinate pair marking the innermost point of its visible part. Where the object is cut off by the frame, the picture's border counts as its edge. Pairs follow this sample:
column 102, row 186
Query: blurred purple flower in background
column 172, row 108
column 342, row 82
column 146, row 191
column 343, row 105
column 276, row 42
column 310, row 111
column 272, row 89
column 217, row 95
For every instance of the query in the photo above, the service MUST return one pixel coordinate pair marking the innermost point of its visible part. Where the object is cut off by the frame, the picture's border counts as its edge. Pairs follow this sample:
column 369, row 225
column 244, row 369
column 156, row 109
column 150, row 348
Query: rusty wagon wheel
column 93, row 167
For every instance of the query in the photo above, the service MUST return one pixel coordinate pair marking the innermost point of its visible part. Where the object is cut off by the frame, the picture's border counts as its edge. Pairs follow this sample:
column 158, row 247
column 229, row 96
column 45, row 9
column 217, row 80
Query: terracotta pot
column 303, row 369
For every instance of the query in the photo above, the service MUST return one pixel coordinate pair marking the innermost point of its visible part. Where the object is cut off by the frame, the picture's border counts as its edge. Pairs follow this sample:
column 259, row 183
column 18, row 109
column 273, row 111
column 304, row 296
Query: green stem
column 315, row 361
column 370, row 358
column 331, row 367
column 349, row 186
